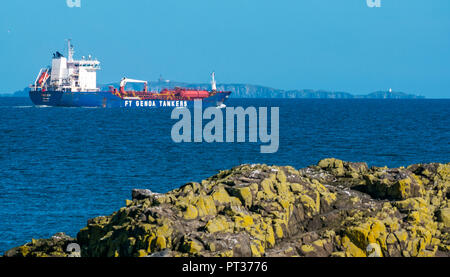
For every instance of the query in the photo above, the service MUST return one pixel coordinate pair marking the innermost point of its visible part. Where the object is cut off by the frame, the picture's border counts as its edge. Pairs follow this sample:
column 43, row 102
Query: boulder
column 140, row 194
column 444, row 217
column 59, row 245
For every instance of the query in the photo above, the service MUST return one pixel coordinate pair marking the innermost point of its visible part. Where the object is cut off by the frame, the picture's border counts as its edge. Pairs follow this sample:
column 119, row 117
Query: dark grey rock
column 140, row 194
column 164, row 253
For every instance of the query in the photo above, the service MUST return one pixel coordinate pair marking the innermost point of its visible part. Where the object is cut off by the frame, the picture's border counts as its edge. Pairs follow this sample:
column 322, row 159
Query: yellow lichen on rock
column 267, row 189
column 270, row 236
column 351, row 250
column 334, row 209
column 160, row 242
column 243, row 221
column 128, row 202
column 335, row 165
column 245, row 194
column 193, row 247
column 218, row 224
column 309, row 204
column 141, row 253
column 374, row 250
column 220, row 195
column 306, row 248
column 444, row 217
column 278, row 229
column 297, row 188
column 205, row 206
column 257, row 248
column 190, row 213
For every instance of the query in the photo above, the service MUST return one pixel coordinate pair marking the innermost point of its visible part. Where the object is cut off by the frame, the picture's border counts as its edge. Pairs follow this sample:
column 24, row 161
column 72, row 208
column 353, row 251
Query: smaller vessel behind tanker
column 73, row 83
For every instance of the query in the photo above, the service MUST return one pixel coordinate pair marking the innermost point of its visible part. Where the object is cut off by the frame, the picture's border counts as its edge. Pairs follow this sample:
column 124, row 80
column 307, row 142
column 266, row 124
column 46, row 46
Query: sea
column 60, row 167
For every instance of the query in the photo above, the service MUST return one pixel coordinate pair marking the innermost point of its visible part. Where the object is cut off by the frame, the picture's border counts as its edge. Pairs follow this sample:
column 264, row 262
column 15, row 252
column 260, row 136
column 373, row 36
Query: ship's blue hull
column 109, row 100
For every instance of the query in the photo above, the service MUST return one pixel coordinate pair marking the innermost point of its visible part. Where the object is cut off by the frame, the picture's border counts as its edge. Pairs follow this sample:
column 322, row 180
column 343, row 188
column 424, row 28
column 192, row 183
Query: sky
column 284, row 44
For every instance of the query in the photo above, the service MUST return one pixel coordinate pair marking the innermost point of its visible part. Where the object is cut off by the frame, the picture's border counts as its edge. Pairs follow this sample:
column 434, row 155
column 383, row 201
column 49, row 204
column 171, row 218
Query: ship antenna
column 70, row 50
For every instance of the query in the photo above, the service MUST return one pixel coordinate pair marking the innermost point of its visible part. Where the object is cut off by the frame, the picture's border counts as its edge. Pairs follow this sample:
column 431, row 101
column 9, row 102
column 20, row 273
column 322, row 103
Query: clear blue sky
column 318, row 44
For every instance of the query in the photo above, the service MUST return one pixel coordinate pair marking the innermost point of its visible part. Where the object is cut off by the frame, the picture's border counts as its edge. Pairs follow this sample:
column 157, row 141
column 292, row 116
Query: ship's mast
column 70, row 50
column 213, row 82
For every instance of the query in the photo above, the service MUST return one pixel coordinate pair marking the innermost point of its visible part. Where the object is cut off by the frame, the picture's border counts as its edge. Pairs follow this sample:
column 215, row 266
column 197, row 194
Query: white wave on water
column 46, row 106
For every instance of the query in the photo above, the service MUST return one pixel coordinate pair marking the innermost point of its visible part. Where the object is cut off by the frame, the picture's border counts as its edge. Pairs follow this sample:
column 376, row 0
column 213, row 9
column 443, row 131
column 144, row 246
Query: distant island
column 256, row 91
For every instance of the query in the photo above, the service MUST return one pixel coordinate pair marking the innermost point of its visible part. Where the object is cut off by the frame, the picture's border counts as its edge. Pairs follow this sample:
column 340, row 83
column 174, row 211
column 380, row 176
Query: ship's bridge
column 94, row 64
column 74, row 75
column 83, row 74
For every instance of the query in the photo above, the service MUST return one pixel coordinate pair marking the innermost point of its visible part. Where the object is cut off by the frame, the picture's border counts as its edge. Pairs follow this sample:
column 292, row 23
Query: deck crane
column 125, row 80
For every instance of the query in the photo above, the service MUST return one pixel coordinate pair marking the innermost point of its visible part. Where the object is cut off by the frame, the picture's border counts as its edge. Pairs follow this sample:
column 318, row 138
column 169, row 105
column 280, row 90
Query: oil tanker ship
column 73, row 83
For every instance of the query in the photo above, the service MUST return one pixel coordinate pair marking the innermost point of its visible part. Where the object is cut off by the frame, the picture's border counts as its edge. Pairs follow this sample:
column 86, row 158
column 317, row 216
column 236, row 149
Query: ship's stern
column 45, row 98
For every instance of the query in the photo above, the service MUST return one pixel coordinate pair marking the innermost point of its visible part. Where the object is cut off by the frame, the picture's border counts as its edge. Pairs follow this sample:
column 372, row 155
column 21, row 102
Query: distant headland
column 257, row 91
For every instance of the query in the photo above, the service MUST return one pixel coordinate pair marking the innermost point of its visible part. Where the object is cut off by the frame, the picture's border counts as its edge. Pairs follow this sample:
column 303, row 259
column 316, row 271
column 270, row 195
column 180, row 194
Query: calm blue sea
column 61, row 166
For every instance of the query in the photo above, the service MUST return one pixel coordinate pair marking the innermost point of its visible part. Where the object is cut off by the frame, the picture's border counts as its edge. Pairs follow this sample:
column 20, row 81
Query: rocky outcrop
column 333, row 209
column 59, row 245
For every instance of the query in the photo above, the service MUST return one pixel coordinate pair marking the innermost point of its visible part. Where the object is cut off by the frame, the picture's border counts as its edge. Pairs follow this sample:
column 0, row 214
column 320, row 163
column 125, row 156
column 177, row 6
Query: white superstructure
column 67, row 74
